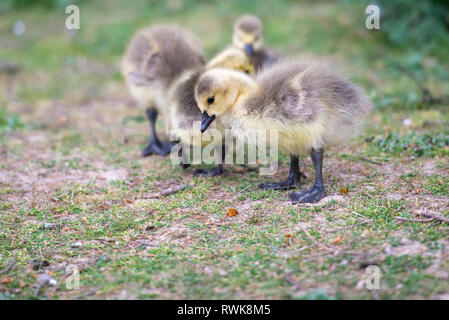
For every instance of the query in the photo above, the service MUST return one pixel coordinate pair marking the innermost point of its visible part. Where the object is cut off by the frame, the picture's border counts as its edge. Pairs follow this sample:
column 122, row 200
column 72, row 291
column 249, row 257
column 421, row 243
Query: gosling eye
column 210, row 100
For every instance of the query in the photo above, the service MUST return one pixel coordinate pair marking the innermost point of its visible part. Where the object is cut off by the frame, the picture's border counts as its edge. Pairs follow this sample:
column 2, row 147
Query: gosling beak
column 206, row 121
column 249, row 49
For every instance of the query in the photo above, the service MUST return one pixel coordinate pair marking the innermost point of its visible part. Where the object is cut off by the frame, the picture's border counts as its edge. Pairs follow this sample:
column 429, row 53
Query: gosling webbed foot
column 293, row 180
column 314, row 194
column 215, row 171
column 157, row 147
column 184, row 166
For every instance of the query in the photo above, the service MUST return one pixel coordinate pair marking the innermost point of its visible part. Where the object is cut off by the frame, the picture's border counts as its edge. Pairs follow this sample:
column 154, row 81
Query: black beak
column 249, row 49
column 206, row 121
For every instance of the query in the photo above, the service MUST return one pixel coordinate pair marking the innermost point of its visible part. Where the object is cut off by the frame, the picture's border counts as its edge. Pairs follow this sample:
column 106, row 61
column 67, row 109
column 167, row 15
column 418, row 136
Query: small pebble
column 77, row 245
column 407, row 122
column 48, row 225
column 52, row 282
column 19, row 28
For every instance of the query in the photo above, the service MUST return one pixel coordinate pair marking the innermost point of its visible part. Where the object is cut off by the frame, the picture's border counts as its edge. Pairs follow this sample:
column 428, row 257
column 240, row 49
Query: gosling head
column 248, row 34
column 234, row 59
column 216, row 94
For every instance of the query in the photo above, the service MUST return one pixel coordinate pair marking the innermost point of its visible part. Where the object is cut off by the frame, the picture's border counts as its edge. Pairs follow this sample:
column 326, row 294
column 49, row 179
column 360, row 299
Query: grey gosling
column 155, row 57
column 184, row 111
column 248, row 36
column 311, row 106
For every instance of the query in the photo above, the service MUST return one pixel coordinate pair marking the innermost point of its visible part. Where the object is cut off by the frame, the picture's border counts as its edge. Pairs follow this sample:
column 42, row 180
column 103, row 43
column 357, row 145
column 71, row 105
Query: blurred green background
column 413, row 34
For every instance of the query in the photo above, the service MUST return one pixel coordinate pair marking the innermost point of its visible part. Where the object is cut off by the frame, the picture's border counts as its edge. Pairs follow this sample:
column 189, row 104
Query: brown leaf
column 232, row 212
column 288, row 235
column 5, row 280
column 344, row 190
column 129, row 201
column 337, row 240
column 239, row 169
column 62, row 120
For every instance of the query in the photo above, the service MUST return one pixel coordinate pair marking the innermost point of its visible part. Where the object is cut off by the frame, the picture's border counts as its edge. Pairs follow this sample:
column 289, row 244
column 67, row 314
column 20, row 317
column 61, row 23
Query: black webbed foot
column 215, row 171
column 293, row 180
column 312, row 195
column 184, row 166
column 157, row 147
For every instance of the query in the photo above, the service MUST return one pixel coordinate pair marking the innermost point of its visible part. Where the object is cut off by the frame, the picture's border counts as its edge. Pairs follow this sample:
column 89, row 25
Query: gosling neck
column 246, row 87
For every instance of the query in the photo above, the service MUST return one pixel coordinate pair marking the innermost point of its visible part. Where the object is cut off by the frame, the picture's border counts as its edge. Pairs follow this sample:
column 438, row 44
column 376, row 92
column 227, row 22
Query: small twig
column 349, row 227
column 166, row 192
column 426, row 124
column 435, row 216
column 413, row 220
column 360, row 215
column 8, row 267
column 369, row 161
column 315, row 241
column 355, row 158
column 88, row 293
column 303, row 248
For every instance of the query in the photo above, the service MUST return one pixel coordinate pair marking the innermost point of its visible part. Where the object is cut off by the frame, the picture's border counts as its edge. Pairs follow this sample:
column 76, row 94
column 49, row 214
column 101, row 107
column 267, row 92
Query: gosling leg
column 155, row 146
column 184, row 163
column 218, row 170
column 293, row 180
column 316, row 193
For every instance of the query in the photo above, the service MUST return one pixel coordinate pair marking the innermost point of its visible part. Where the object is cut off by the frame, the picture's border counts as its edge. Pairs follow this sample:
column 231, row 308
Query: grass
column 70, row 141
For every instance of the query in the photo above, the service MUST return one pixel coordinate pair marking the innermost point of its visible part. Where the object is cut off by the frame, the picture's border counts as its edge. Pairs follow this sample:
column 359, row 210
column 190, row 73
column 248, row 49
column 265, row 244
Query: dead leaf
column 232, row 212
column 344, row 190
column 288, row 235
column 5, row 280
column 129, row 201
column 337, row 240
column 62, row 120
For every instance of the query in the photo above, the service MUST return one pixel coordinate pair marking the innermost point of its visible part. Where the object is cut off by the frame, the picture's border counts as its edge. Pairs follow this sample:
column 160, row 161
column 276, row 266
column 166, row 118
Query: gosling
column 311, row 106
column 248, row 36
column 184, row 111
column 155, row 57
